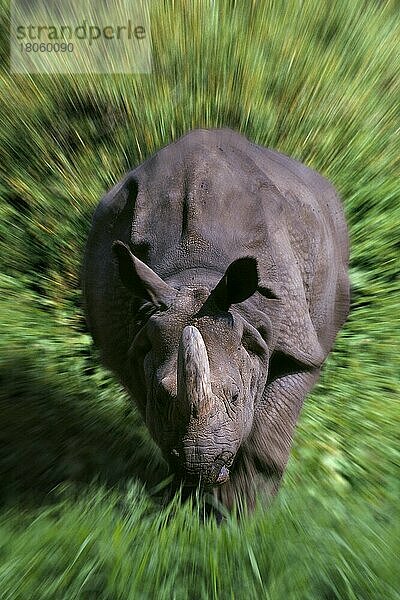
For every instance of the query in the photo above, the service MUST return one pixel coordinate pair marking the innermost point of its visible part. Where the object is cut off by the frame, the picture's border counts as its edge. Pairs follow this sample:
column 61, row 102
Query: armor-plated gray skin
column 215, row 282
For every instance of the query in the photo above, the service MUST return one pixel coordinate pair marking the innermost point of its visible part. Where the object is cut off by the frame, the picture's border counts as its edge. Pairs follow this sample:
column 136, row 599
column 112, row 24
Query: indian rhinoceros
column 215, row 281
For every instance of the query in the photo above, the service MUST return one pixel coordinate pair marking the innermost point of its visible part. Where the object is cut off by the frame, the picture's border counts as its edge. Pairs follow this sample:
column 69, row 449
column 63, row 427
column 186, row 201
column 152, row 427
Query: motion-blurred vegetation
column 315, row 80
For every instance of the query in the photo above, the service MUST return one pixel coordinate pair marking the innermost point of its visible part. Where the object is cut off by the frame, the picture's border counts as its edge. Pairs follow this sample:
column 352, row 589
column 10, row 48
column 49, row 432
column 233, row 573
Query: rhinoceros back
column 200, row 203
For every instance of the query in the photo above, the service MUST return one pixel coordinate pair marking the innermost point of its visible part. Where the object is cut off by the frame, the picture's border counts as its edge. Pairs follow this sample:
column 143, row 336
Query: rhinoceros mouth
column 204, row 481
column 219, row 470
column 202, row 475
column 218, row 475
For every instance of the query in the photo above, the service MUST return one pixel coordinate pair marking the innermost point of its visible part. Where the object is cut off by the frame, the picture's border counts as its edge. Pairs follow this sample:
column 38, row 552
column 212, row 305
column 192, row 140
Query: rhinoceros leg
column 260, row 466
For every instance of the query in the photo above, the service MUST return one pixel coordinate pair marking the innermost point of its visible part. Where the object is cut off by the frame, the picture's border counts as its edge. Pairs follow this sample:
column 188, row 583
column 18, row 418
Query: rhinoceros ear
column 140, row 279
column 240, row 281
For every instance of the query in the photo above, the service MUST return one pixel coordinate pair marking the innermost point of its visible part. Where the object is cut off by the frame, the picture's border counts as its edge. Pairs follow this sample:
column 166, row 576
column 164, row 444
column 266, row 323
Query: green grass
column 102, row 547
column 80, row 510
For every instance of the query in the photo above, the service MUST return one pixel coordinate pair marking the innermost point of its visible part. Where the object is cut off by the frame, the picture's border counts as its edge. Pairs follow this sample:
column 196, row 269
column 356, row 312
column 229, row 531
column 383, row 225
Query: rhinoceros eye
column 233, row 393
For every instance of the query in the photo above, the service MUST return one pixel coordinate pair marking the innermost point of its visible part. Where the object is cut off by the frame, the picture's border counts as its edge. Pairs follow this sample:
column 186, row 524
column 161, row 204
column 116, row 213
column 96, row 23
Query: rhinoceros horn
column 194, row 381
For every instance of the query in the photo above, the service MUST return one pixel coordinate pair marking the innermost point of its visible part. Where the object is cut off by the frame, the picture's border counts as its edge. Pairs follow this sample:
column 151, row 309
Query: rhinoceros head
column 197, row 367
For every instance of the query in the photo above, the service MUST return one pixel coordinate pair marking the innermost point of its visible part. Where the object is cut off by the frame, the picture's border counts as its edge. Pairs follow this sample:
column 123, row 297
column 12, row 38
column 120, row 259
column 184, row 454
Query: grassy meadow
column 80, row 509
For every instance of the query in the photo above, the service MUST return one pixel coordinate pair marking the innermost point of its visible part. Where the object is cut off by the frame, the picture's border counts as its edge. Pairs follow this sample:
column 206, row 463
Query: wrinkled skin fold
column 215, row 281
